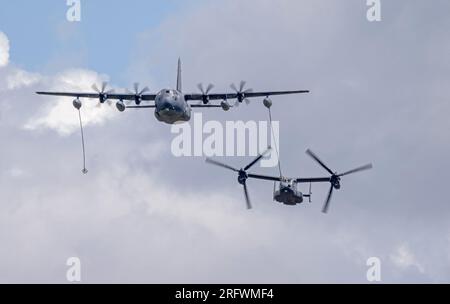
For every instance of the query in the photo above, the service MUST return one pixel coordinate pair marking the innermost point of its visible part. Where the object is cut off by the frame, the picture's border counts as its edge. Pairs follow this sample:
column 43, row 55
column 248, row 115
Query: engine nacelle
column 137, row 100
column 77, row 104
column 120, row 106
column 267, row 102
column 225, row 106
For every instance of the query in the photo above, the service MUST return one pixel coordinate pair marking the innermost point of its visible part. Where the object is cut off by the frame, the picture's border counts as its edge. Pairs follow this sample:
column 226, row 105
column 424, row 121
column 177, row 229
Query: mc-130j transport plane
column 172, row 105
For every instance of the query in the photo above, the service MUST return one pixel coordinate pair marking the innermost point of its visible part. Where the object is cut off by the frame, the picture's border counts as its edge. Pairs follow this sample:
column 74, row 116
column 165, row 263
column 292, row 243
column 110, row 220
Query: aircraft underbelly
column 288, row 198
column 171, row 116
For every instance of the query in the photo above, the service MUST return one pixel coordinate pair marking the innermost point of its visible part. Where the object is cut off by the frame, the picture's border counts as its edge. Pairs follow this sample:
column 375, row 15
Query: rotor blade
column 233, row 87
column 327, row 202
column 247, row 197
column 110, row 92
column 242, row 85
column 200, row 87
column 248, row 91
column 144, row 90
column 95, row 88
column 362, row 168
column 247, row 101
column 209, row 88
column 256, row 160
column 317, row 159
column 136, row 88
column 104, row 84
column 214, row 162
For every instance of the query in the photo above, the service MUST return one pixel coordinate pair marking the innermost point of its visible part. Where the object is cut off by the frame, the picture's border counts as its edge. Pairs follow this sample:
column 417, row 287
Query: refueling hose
column 85, row 171
column 274, row 140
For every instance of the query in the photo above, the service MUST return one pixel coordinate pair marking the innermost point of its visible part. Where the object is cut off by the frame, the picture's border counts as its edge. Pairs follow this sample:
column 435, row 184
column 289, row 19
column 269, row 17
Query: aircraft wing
column 192, row 106
column 298, row 180
column 141, row 107
column 205, row 106
column 225, row 96
column 110, row 96
column 265, row 177
column 313, row 180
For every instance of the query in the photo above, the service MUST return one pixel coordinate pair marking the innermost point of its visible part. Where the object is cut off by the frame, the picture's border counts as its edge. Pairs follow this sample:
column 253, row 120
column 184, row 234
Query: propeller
column 335, row 179
column 241, row 92
column 103, row 93
column 138, row 93
column 247, row 197
column 205, row 96
column 242, row 173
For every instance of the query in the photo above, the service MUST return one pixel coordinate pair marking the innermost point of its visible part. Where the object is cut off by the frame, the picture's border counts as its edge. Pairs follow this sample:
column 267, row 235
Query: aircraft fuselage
column 171, row 107
column 288, row 194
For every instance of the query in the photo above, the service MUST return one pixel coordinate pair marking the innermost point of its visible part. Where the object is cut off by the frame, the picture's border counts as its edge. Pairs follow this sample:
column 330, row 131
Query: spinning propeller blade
column 242, row 85
column 317, row 159
column 242, row 173
column 137, row 94
column 335, row 178
column 104, row 84
column 247, row 197
column 95, row 88
column 257, row 159
column 216, row 163
column 241, row 92
column 205, row 97
column 327, row 201
column 103, row 94
column 359, row 169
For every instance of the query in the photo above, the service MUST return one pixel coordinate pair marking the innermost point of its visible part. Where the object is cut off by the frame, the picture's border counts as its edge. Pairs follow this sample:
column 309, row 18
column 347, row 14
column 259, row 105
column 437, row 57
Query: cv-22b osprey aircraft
column 288, row 193
column 172, row 105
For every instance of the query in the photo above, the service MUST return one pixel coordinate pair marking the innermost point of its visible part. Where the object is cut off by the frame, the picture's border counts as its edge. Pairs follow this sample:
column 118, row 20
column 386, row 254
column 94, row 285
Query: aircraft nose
column 165, row 105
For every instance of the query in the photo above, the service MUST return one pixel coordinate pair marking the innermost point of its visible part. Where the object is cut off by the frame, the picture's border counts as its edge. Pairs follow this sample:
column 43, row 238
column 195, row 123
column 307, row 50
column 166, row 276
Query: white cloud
column 17, row 78
column 141, row 215
column 404, row 258
column 16, row 173
column 4, row 50
column 59, row 114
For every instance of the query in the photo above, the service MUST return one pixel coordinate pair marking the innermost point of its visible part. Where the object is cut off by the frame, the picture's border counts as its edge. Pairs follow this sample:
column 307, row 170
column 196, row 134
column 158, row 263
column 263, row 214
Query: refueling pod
column 77, row 103
column 225, row 106
column 120, row 106
column 267, row 102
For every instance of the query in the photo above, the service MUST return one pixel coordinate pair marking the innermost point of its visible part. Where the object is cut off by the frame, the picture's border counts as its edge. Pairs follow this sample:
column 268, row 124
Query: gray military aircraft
column 288, row 192
column 172, row 105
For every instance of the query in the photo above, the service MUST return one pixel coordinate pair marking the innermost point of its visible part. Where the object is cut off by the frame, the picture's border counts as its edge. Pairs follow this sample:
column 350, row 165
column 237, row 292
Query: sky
column 141, row 215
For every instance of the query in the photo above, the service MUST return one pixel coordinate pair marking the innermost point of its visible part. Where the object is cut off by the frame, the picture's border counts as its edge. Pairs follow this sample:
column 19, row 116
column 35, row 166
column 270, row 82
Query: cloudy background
column 141, row 215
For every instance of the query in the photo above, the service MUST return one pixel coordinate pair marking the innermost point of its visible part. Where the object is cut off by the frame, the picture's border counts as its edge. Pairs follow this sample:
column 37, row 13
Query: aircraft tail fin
column 179, row 85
